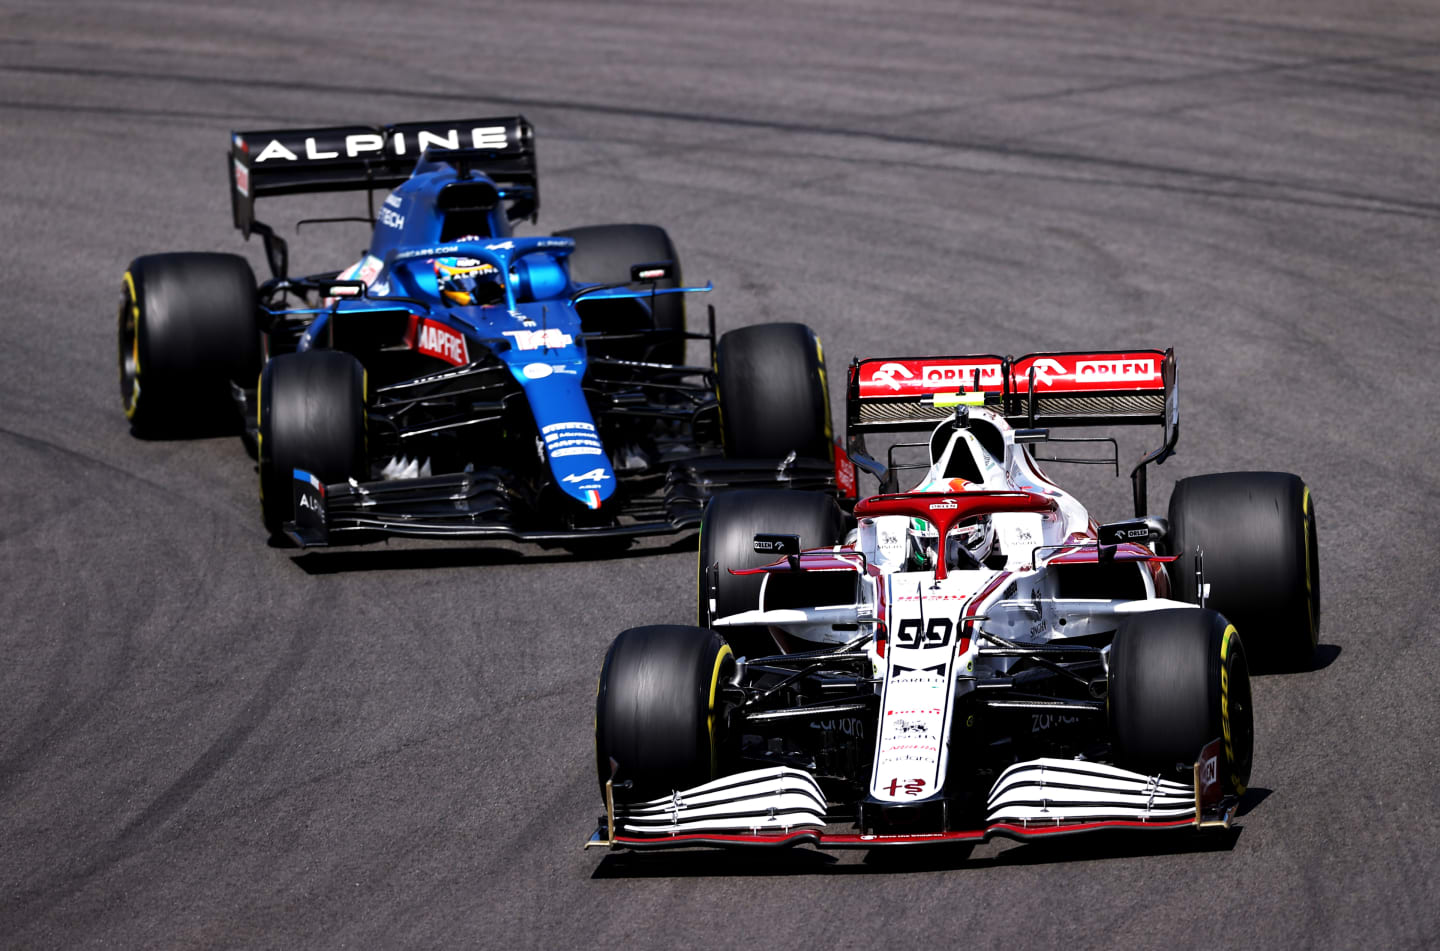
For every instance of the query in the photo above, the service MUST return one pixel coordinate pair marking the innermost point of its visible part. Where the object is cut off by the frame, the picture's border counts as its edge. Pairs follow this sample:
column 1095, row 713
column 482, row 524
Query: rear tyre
column 1261, row 559
column 657, row 710
column 1179, row 679
column 187, row 330
column 770, row 380
column 604, row 254
column 312, row 417
column 727, row 540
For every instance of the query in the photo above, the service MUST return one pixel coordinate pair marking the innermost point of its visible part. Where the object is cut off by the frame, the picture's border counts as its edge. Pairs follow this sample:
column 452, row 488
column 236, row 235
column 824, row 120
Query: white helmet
column 970, row 542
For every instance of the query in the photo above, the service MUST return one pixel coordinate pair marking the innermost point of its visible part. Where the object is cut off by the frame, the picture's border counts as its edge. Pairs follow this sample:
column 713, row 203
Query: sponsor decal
column 1207, row 775
column 886, row 373
column 1061, row 373
column 594, row 475
column 947, row 504
column 849, row 726
column 502, row 246
column 845, row 474
column 1039, row 722
column 550, row 339
column 909, row 787
column 309, row 499
column 960, row 374
column 911, row 726
column 537, row 371
column 571, row 439
column 373, row 143
column 437, row 340
column 393, row 200
column 242, row 178
column 1127, row 371
column 390, row 218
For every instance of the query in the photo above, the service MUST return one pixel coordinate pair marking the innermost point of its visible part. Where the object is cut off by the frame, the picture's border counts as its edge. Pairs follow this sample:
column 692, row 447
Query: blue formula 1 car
column 459, row 380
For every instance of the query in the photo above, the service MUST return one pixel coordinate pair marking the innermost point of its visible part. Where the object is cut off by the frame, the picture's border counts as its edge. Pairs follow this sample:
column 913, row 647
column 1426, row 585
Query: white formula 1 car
column 971, row 658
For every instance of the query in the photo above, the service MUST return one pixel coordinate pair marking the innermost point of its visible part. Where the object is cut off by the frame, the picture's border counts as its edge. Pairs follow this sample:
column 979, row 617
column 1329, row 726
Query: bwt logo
column 1115, row 370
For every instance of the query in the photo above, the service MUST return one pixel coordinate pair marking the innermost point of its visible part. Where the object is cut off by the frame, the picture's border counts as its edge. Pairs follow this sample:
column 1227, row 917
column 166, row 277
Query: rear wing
column 1037, row 390
column 272, row 162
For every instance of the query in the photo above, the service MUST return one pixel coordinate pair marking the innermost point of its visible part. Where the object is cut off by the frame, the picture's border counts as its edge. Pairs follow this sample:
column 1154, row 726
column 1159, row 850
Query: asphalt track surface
column 205, row 741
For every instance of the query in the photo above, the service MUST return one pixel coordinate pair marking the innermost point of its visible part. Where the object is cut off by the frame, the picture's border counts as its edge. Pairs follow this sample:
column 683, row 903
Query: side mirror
column 1031, row 435
column 652, row 272
column 786, row 546
column 1143, row 531
column 342, row 289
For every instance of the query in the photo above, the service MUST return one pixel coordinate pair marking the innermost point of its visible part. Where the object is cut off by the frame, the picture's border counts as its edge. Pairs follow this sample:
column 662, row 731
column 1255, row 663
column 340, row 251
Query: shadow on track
column 903, row 860
column 410, row 559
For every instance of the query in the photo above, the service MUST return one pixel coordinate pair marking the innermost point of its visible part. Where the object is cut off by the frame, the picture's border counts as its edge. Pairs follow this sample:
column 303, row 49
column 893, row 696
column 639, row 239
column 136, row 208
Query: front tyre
column 187, row 330
column 1261, row 559
column 1179, row 679
column 312, row 417
column 727, row 540
column 658, row 713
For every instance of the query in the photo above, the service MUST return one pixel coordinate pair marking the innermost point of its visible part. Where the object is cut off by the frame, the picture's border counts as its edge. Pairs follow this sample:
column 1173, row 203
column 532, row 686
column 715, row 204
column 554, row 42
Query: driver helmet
column 970, row 542
column 468, row 282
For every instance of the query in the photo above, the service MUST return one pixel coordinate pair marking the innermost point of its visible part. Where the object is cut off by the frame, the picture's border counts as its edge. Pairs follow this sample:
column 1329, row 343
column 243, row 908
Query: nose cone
column 573, row 448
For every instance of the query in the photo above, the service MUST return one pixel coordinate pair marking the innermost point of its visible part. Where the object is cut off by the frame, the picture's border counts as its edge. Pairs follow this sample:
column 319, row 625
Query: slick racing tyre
column 1260, row 556
column 727, row 540
column 658, row 710
column 312, row 417
column 1179, row 679
column 604, row 254
column 186, row 330
column 770, row 380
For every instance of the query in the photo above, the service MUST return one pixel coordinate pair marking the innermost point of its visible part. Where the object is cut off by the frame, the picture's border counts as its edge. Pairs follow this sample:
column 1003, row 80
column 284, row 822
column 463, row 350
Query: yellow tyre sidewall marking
column 1305, row 527
column 1225, row 707
column 723, row 653
column 700, row 601
column 260, row 430
column 824, row 391
column 134, row 400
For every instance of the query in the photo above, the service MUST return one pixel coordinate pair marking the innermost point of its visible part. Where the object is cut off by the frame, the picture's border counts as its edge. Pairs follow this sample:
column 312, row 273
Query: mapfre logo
column 374, row 143
column 437, row 340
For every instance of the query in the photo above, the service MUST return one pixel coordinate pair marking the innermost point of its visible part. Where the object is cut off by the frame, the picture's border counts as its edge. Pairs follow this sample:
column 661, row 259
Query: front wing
column 780, row 807
column 480, row 504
